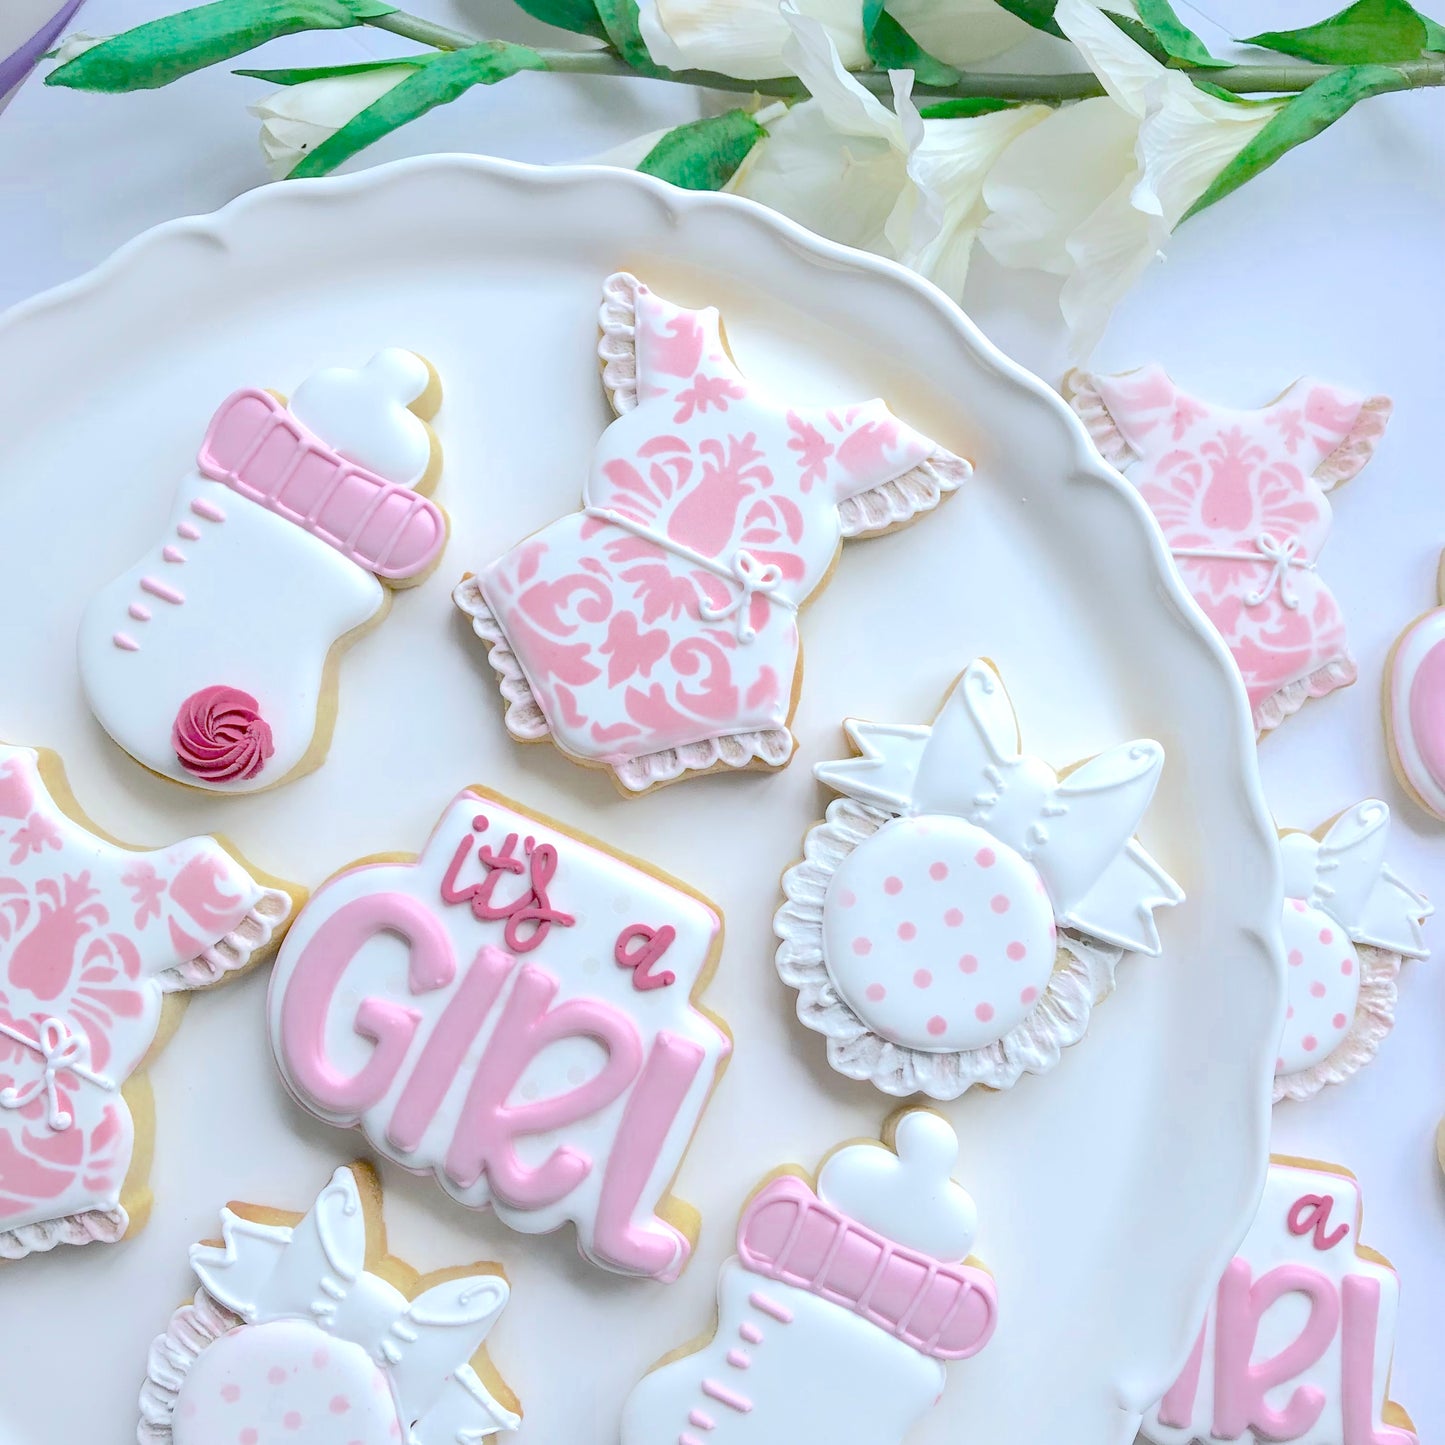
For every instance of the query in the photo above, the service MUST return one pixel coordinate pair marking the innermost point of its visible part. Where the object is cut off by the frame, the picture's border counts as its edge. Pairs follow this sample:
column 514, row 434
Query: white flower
column 76, row 43
column 746, row 38
column 1094, row 192
column 846, row 166
column 297, row 118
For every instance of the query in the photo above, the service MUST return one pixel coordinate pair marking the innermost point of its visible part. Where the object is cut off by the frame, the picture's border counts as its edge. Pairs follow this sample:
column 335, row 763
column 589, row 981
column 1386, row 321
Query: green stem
column 1242, row 79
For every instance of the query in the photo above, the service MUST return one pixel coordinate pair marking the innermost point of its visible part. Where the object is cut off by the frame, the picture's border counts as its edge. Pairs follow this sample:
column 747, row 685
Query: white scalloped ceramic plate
column 1110, row 1192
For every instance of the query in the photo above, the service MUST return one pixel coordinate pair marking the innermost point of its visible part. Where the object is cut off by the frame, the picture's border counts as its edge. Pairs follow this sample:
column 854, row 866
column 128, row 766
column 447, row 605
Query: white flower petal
column 744, row 38
column 813, row 58
column 1108, row 253
column 297, row 118
column 1052, row 179
column 1126, row 70
column 960, row 31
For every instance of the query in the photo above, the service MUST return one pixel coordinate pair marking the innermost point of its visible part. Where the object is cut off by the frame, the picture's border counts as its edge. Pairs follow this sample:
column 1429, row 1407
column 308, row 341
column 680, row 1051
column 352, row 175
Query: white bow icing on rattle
column 751, row 576
column 422, row 1346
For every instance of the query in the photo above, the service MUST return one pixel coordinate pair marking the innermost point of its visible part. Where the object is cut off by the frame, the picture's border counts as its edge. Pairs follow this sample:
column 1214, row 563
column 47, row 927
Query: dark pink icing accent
column 220, row 735
column 638, row 947
column 1311, row 1212
column 258, row 449
column 530, row 910
column 788, row 1234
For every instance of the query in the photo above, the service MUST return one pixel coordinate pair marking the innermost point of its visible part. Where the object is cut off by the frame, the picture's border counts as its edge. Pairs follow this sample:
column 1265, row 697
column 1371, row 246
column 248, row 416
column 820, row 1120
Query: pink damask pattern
column 661, row 619
column 1241, row 498
column 92, row 936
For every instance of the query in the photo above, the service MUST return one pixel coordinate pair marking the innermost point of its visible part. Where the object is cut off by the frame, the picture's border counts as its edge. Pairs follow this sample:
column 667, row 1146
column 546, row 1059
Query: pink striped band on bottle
column 263, row 453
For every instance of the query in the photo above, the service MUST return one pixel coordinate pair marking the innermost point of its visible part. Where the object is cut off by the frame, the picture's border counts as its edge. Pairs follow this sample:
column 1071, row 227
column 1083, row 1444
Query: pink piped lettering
column 528, row 916
column 1311, row 1212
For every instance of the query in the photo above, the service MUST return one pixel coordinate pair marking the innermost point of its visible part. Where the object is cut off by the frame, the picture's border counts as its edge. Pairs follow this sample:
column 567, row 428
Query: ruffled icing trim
column 1359, row 444
column 617, row 345
column 1082, row 393
column 233, row 950
column 90, row 1226
column 528, row 723
column 1374, row 1018
column 192, row 1329
column 1083, row 976
column 1286, row 701
column 919, row 490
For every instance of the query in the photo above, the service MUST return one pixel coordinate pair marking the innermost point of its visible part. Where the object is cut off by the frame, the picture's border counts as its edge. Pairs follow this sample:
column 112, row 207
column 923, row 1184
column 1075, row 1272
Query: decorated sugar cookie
column 835, row 1318
column 655, row 631
column 211, row 660
column 97, row 944
column 922, row 928
column 1297, row 1343
column 513, row 1012
column 306, row 1330
column 1415, row 706
column 1349, row 922
column 1242, row 498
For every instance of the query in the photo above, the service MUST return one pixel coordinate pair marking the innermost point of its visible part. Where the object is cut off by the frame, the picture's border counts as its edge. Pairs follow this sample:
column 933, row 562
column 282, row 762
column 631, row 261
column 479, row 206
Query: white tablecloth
column 1331, row 264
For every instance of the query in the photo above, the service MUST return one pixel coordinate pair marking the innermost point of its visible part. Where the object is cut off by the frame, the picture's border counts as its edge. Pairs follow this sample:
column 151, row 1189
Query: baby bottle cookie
column 1349, row 923
column 1242, row 498
column 212, row 660
column 655, row 631
column 1297, row 1343
column 306, row 1330
column 514, row 1012
column 922, row 929
column 1415, row 705
column 838, row 1313
column 98, row 944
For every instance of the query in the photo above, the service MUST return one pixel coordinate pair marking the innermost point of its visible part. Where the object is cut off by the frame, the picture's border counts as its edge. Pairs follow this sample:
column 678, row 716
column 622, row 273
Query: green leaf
column 1303, row 118
column 578, row 16
column 1434, row 35
column 1140, row 34
column 891, row 47
column 1370, row 31
column 1038, row 13
column 966, row 106
column 302, row 74
column 619, row 19
column 1180, row 43
column 163, row 50
column 703, row 154
column 438, row 82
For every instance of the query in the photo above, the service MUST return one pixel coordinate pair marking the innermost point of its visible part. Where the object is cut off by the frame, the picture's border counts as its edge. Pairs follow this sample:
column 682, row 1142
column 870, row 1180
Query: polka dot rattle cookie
column 1349, row 923
column 922, row 928
column 306, row 1329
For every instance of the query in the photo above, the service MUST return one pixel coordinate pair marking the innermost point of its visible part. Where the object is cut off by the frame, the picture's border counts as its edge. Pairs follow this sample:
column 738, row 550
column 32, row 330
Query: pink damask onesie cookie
column 96, row 943
column 654, row 632
column 1241, row 497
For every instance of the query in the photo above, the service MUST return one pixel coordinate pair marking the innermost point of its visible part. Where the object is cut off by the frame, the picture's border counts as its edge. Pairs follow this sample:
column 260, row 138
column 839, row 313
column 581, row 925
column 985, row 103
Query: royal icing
column 839, row 1309
column 1241, row 498
column 1297, row 1343
column 513, row 1012
column 1415, row 705
column 654, row 631
column 292, row 1337
column 93, row 937
column 1348, row 923
column 921, row 927
column 208, row 660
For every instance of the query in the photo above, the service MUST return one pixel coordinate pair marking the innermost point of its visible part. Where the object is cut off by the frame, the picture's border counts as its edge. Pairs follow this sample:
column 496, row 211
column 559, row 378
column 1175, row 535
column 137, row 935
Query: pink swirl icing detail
column 220, row 735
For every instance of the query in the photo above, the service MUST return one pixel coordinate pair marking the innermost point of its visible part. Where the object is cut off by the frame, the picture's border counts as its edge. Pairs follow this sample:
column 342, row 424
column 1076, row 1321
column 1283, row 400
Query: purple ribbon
column 19, row 65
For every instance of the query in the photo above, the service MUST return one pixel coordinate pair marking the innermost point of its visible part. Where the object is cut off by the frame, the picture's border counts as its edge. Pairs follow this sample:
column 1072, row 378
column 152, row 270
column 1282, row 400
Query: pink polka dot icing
column 280, row 1383
column 952, row 893
column 1324, row 988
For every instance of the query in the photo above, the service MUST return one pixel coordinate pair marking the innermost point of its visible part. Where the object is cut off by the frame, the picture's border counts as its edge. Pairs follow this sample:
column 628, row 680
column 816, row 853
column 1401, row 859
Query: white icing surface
column 363, row 413
column 1269, row 1245
column 906, row 1193
column 265, row 602
column 939, row 936
column 604, row 894
column 323, row 1346
column 1417, row 642
column 828, row 1375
